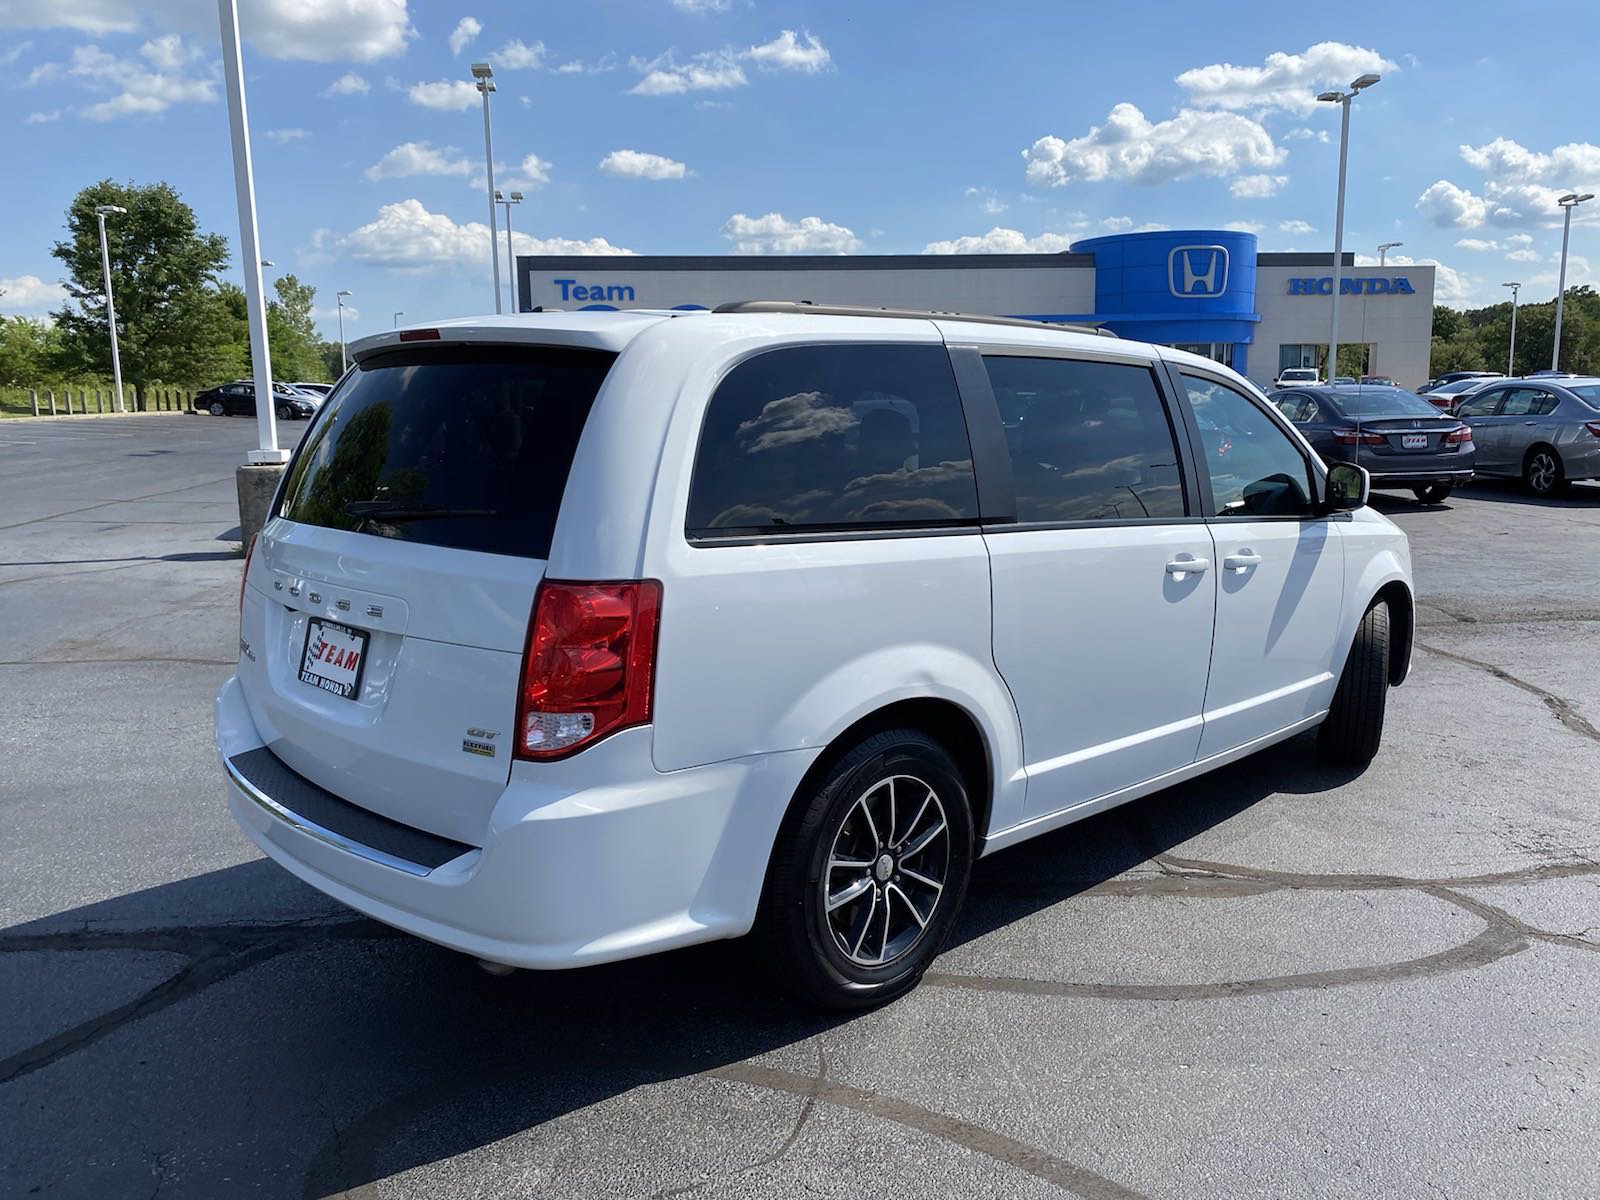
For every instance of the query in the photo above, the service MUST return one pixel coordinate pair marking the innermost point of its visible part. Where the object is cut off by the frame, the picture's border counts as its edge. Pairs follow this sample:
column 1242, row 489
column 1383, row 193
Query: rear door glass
column 462, row 447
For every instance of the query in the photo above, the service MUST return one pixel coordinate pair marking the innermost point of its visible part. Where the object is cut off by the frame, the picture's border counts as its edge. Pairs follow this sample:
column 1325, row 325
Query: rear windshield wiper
column 399, row 510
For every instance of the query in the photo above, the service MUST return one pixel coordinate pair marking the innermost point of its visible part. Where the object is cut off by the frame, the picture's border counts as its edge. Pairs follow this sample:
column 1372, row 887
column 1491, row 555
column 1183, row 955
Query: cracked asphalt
column 1280, row 979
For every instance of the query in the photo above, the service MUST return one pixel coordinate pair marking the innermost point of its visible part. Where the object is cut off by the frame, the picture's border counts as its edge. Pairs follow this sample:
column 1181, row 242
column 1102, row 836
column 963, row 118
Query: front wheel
column 1433, row 493
column 1542, row 472
column 216, row 408
column 868, row 873
column 1353, row 729
column 284, row 412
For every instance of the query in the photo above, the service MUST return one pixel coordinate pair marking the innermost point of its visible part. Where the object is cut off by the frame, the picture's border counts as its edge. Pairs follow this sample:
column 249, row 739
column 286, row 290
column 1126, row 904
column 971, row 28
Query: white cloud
column 786, row 53
column 517, row 55
column 528, row 175
column 419, row 158
column 1116, row 224
column 1521, row 255
column 636, row 164
column 712, row 71
column 282, row 136
column 1520, row 187
column 1297, row 227
column 1257, row 187
column 1477, row 244
column 1002, row 241
column 1449, row 285
column 43, row 117
column 701, row 7
column 987, row 200
column 451, row 95
column 604, row 64
column 1131, row 148
column 405, row 236
column 1306, row 135
column 1574, row 162
column 1520, row 239
column 10, row 57
column 29, row 293
column 1283, row 81
column 167, row 71
column 461, row 36
column 1445, row 204
column 1245, row 226
column 775, row 234
column 348, row 84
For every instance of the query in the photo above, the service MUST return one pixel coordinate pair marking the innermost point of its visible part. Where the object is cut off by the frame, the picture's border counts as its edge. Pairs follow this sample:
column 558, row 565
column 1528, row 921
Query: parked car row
column 1543, row 429
column 293, row 401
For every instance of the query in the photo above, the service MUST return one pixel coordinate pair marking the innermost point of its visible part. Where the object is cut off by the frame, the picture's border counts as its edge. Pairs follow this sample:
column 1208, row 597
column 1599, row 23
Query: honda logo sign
column 1197, row 271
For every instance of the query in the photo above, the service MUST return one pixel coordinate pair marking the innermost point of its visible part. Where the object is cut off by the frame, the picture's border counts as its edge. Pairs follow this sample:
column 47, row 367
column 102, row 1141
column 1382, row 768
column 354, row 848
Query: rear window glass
column 467, row 448
column 834, row 437
column 1366, row 401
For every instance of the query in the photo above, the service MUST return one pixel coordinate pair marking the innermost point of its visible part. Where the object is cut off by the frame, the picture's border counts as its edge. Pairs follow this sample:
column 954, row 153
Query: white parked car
column 579, row 636
column 1298, row 376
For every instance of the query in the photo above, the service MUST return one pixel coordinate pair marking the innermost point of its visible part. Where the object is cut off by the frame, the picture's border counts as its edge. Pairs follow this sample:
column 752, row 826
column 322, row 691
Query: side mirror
column 1349, row 487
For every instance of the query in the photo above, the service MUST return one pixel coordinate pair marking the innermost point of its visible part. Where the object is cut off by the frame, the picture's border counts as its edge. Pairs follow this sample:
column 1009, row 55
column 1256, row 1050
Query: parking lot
column 1278, row 980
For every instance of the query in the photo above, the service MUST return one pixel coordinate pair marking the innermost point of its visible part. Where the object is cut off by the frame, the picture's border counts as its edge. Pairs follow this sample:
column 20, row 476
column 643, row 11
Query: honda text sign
column 1197, row 271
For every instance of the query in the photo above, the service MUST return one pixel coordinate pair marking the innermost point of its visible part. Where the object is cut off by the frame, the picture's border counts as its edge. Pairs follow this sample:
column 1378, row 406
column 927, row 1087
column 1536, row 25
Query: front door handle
column 1188, row 565
column 1241, row 562
column 1530, row 422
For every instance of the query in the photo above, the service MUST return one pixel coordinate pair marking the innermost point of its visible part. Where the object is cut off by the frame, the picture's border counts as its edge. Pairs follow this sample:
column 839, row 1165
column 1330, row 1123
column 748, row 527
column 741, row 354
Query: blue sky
column 759, row 126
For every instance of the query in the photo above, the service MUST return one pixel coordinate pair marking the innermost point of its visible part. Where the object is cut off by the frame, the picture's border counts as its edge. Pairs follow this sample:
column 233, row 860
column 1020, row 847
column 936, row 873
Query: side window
column 1089, row 441
column 834, row 437
column 1546, row 404
column 1480, row 404
column 1256, row 470
column 1298, row 408
column 1521, row 402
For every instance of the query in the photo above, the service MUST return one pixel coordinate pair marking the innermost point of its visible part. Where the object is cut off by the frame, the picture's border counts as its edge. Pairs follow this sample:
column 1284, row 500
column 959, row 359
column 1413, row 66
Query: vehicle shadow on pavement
column 312, row 1057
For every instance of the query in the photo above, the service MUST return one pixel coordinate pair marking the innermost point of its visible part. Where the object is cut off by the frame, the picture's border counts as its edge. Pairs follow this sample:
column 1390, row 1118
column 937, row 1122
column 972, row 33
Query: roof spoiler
column 921, row 314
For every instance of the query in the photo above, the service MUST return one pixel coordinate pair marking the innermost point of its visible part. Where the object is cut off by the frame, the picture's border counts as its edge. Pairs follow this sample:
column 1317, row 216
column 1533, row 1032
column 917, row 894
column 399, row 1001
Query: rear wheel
column 216, row 408
column 1543, row 473
column 869, row 872
column 1433, row 493
column 1353, row 729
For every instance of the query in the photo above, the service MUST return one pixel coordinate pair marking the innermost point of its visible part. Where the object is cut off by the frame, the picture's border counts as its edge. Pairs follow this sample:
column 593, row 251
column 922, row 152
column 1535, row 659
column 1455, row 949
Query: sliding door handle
column 1187, row 564
column 1241, row 562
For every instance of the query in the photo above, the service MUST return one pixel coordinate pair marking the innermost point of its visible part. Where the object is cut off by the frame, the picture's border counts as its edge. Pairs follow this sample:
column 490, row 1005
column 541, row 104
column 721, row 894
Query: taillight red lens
column 1593, row 427
column 589, row 665
column 245, row 574
column 1462, row 433
column 1352, row 438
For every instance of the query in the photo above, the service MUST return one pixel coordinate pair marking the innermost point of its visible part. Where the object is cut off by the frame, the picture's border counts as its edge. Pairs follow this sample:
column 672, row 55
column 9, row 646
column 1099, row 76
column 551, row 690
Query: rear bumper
column 1418, row 478
column 592, row 859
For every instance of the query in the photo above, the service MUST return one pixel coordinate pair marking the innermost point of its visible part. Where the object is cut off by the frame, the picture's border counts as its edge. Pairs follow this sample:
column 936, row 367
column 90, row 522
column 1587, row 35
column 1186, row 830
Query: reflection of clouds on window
column 915, row 508
column 802, row 417
column 921, row 477
column 744, row 516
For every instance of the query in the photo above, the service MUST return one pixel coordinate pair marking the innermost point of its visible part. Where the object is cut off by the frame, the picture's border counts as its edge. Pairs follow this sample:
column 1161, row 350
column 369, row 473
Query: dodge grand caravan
column 578, row 636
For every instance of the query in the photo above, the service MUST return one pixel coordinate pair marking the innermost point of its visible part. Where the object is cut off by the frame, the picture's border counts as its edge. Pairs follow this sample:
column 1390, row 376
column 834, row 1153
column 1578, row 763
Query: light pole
column 397, row 317
column 344, row 363
column 101, row 212
column 1568, row 202
column 485, row 84
column 1511, row 359
column 1343, row 100
column 1384, row 248
column 244, row 184
column 511, row 262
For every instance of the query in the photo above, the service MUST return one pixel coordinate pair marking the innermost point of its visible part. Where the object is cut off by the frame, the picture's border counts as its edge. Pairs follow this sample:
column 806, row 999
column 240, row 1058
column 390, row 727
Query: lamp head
column 341, row 295
column 106, row 210
column 482, row 71
column 1364, row 81
column 1331, row 97
column 499, row 198
column 516, row 197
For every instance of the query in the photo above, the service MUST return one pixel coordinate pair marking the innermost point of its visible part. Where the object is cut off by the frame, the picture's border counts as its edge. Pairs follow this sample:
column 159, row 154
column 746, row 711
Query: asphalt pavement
column 1278, row 980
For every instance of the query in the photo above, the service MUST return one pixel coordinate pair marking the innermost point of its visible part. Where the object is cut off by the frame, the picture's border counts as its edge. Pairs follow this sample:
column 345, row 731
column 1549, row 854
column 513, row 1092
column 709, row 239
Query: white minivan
column 578, row 636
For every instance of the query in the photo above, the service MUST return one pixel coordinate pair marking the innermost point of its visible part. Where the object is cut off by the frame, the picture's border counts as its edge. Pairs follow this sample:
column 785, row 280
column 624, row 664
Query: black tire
column 1433, row 493
column 217, row 410
column 1543, row 472
column 284, row 412
column 1353, row 729
column 800, row 939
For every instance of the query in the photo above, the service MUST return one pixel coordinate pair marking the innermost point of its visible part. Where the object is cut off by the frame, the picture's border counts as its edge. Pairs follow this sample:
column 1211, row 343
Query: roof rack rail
column 863, row 310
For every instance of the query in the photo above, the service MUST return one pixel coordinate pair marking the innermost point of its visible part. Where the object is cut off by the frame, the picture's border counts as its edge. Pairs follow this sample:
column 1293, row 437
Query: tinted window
column 468, row 448
column 828, row 437
column 1480, row 404
column 1089, row 441
column 1256, row 470
column 1383, row 402
column 1298, row 408
column 1589, row 393
column 1528, row 402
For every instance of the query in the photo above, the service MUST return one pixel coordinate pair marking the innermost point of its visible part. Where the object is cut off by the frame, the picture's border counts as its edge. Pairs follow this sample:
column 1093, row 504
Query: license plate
column 334, row 658
column 1413, row 441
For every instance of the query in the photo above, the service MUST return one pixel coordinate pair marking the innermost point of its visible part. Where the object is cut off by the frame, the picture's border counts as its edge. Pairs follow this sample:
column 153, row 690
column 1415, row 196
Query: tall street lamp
column 344, row 362
column 511, row 262
column 397, row 317
column 1384, row 248
column 484, row 76
column 101, row 212
column 1343, row 100
column 1568, row 202
column 1511, row 359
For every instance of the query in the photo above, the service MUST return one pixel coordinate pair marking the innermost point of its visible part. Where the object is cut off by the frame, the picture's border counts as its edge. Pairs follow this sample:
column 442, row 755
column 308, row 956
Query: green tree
column 297, row 348
column 171, row 326
column 27, row 352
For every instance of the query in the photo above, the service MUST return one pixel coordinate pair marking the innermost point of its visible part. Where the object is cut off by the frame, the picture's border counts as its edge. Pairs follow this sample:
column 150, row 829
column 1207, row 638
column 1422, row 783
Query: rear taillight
column 589, row 665
column 1461, row 435
column 1593, row 427
column 1352, row 437
column 245, row 574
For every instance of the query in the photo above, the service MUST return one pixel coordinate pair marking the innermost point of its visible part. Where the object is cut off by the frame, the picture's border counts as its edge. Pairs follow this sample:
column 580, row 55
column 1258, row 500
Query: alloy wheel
column 886, row 870
column 1542, row 471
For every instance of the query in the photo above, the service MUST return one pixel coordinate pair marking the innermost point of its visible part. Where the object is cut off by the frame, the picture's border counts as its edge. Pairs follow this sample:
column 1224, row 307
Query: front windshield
column 1383, row 402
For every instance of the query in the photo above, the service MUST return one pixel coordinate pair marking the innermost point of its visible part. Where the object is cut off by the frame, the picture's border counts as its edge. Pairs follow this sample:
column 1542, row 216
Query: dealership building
column 1206, row 290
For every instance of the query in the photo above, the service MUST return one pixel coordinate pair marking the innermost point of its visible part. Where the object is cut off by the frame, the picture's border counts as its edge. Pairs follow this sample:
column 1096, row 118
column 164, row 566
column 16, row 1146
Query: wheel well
column 1402, row 624
column 948, row 724
column 1528, row 453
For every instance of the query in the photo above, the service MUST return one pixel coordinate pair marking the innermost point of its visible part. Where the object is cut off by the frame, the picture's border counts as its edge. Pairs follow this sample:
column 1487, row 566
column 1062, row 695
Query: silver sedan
column 1544, row 430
